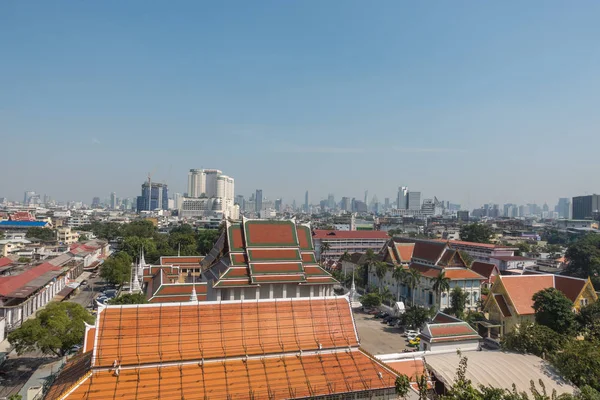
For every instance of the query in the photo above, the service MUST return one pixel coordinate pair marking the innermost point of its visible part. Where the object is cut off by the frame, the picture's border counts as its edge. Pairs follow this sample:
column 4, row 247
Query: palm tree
column 441, row 283
column 325, row 246
column 399, row 275
column 386, row 295
column 380, row 271
column 412, row 280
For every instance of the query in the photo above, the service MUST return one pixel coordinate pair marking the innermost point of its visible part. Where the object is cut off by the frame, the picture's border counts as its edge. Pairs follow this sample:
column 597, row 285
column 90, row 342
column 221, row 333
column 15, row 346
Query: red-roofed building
column 510, row 302
column 451, row 335
column 347, row 241
column 23, row 293
column 430, row 258
column 264, row 259
column 90, row 252
column 488, row 270
column 295, row 348
column 22, row 216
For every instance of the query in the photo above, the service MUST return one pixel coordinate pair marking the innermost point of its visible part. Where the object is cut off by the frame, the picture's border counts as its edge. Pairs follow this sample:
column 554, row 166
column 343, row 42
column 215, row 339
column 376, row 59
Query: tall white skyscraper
column 214, row 191
column 402, row 202
column 196, row 183
column 414, row 200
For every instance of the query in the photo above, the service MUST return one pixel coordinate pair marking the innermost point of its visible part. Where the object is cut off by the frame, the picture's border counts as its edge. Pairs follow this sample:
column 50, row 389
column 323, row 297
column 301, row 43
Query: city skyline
column 433, row 98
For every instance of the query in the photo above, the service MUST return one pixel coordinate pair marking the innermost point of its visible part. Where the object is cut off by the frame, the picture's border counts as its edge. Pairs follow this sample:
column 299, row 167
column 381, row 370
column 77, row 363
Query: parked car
column 415, row 342
column 411, row 336
column 387, row 319
column 393, row 321
column 110, row 293
column 84, row 282
column 382, row 314
column 411, row 332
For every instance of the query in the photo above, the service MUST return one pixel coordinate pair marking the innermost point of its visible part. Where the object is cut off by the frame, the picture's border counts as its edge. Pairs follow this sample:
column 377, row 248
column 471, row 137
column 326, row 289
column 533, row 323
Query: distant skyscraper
column 366, row 197
column 345, row 204
column 331, row 201
column 155, row 196
column 96, row 202
column 306, row 201
column 196, row 183
column 586, row 207
column 258, row 200
column 27, row 197
column 279, row 205
column 386, row 203
column 113, row 201
column 563, row 208
column 402, row 202
column 414, row 200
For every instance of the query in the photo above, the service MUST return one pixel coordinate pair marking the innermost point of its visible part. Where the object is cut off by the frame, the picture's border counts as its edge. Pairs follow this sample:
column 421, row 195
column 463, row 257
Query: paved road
column 88, row 292
column 378, row 338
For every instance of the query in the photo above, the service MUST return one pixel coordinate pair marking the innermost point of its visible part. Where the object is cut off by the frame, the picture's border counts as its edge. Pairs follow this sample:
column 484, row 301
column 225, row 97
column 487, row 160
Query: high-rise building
column 402, row 202
column 113, row 201
column 564, row 208
column 279, row 205
column 331, row 201
column 586, row 207
column 366, row 197
column 258, row 200
column 241, row 201
column 196, row 183
column 96, row 202
column 345, row 204
column 155, row 196
column 428, row 207
column 27, row 197
column 306, row 207
column 386, row 203
column 414, row 200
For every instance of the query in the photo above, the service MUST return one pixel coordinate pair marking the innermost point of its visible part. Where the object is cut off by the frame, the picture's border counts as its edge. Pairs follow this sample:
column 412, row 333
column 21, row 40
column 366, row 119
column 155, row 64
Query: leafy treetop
column 478, row 233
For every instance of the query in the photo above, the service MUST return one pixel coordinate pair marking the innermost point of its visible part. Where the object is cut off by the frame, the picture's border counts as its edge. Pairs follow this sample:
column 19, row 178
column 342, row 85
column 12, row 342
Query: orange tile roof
column 412, row 368
column 309, row 258
column 236, row 241
column 405, row 250
column 274, row 254
column 521, row 288
column 462, row 273
column 484, row 269
column 458, row 329
column 304, row 237
column 149, row 334
column 175, row 298
column 238, row 258
column 262, row 233
column 278, row 278
column 428, row 250
column 89, row 339
column 571, row 287
column 315, row 270
column 426, row 270
column 289, row 376
column 74, row 370
column 276, row 268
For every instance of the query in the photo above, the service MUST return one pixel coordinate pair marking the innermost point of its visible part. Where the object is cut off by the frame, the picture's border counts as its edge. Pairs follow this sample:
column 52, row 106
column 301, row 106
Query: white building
column 210, row 193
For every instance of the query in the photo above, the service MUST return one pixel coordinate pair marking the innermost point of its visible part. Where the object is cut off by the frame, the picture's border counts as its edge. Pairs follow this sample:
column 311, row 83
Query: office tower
column 414, row 200
column 428, row 207
column 331, row 201
column 366, row 197
column 306, row 201
column 279, row 205
column 258, row 200
column 240, row 201
column 27, row 197
column 96, row 202
column 462, row 216
column 345, row 204
column 402, row 202
column 155, row 196
column 563, row 208
column 113, row 201
column 586, row 207
column 386, row 203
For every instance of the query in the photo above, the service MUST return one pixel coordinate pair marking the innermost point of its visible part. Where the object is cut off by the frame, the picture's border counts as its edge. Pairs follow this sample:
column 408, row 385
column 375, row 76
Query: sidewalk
column 40, row 376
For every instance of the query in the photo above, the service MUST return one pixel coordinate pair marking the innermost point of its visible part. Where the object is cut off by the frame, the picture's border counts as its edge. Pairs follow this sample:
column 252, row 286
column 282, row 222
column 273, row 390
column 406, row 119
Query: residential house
column 91, row 252
column 64, row 235
column 264, row 259
column 293, row 348
column 510, row 302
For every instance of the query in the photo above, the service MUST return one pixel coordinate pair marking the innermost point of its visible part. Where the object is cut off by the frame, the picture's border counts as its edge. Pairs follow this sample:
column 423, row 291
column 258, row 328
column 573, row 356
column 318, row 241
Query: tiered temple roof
column 265, row 349
column 255, row 252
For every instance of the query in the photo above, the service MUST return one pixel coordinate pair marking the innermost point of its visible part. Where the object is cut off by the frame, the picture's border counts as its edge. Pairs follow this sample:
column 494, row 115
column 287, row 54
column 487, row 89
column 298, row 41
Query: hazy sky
column 469, row 101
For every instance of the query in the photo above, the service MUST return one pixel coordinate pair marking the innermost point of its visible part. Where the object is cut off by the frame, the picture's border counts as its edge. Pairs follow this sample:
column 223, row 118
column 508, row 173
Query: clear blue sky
column 470, row 101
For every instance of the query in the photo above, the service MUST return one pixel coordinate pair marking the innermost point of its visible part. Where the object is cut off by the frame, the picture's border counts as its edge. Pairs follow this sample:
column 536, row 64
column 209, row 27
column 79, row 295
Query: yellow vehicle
column 415, row 341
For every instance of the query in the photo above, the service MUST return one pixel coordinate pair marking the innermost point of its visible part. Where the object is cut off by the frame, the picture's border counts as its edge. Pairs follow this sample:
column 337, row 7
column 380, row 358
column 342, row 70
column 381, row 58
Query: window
column 583, row 302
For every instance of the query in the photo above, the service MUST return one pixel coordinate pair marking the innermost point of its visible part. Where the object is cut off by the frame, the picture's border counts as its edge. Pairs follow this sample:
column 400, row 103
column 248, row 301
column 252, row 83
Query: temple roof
column 255, row 252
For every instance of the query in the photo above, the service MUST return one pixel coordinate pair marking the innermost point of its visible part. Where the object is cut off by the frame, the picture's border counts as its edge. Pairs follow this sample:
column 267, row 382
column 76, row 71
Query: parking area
column 378, row 338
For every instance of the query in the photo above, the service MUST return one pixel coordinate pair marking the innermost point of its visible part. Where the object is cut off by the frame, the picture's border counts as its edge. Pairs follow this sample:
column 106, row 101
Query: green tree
column 54, row 330
column 402, row 385
column 441, row 283
column 206, row 239
column 184, row 229
column 103, row 230
column 83, row 238
column 554, row 310
column 584, row 258
column 386, row 295
column 370, row 300
column 579, row 362
column 534, row 339
column 117, row 269
column 413, row 278
column 523, row 247
column 588, row 320
column 1, row 234
column 15, row 397
column 380, row 271
column 415, row 316
column 399, row 276
column 45, row 234
column 129, row 298
column 132, row 245
column 140, row 228
column 467, row 258
column 24, row 260
column 478, row 233
column 458, row 302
